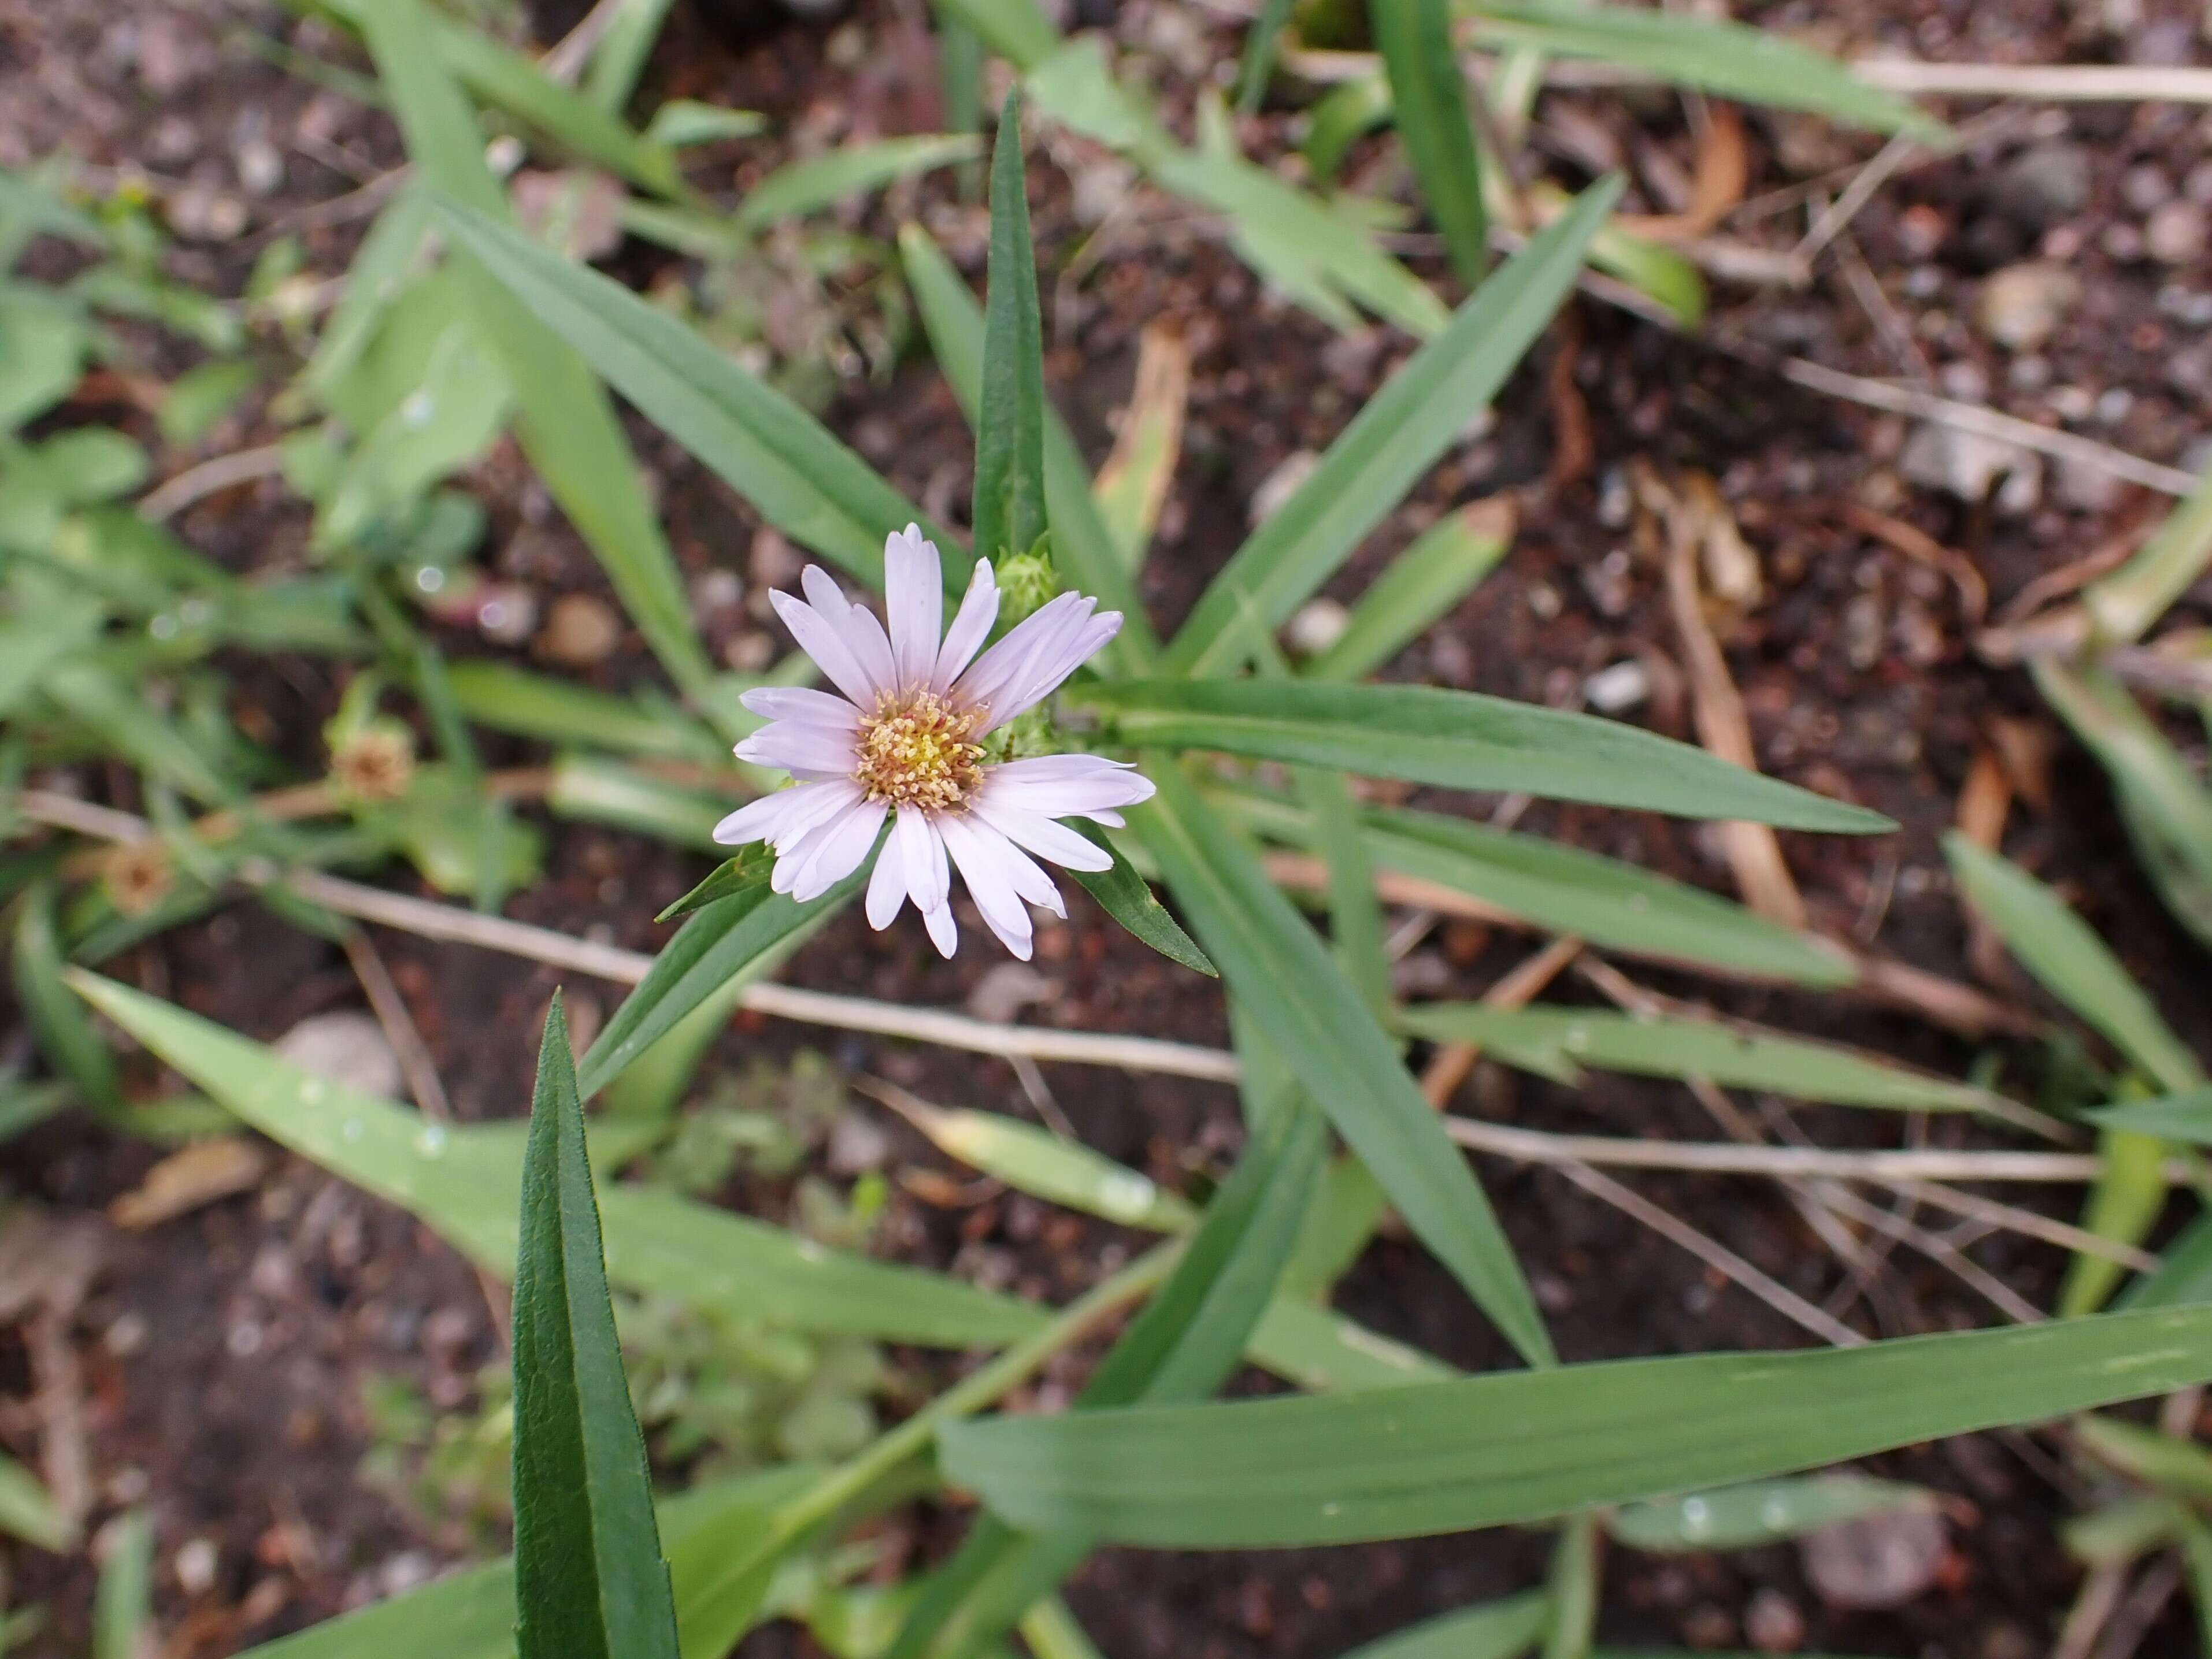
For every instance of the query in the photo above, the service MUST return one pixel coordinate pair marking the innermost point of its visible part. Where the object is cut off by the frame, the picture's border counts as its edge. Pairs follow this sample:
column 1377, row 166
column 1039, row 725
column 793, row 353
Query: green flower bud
column 1026, row 581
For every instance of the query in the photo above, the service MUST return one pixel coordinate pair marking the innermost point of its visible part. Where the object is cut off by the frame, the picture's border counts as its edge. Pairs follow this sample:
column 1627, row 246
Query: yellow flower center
column 916, row 753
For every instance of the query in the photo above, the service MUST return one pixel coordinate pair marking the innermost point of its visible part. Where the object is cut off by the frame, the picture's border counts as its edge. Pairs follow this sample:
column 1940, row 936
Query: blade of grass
column 1315, row 1023
column 823, row 181
column 1009, row 514
column 1490, row 1630
column 567, row 425
column 1391, row 442
column 1437, row 570
column 1080, row 543
column 1414, row 38
column 590, row 1582
column 2073, row 964
column 1555, row 1042
column 1732, row 59
column 464, row 1183
column 1258, row 61
column 1459, row 739
column 1516, row 1447
column 801, row 479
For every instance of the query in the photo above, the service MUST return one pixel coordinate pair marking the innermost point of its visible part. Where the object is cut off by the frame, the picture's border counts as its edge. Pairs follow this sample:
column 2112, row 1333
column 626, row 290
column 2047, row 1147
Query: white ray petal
column 913, row 604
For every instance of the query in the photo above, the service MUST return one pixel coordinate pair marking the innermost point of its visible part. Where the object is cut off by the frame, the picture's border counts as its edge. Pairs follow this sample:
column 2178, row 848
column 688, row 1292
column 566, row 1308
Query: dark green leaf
column 590, row 1582
column 1415, row 418
column 1461, row 740
column 802, row 479
column 1129, row 899
column 1009, row 514
column 1259, row 59
column 750, row 868
column 2173, row 1117
column 1493, row 1630
column 1733, row 59
column 1519, row 1447
column 1415, row 39
column 1303, row 1007
column 716, row 943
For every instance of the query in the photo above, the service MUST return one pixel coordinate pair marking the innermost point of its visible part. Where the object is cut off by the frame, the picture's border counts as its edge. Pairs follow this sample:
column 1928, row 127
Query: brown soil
column 224, row 1354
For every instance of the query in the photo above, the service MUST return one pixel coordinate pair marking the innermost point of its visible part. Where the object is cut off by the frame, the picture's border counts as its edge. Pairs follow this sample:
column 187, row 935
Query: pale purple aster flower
column 902, row 738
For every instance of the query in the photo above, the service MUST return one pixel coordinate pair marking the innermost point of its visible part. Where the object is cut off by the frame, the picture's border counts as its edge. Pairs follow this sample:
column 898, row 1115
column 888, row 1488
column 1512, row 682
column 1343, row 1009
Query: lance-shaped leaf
column 1609, row 903
column 716, row 943
column 1732, row 59
column 1009, row 512
column 1418, row 415
column 2073, row 964
column 1515, row 1447
column 1081, row 544
column 1557, row 1042
column 1461, row 740
column 590, row 1582
column 1309, row 1014
column 464, row 1183
column 802, row 479
column 1129, row 899
column 1492, row 1630
column 1415, row 39
column 564, row 420
column 1433, row 574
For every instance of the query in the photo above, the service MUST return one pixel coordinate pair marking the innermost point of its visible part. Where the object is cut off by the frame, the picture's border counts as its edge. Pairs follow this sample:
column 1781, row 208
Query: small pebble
column 1772, row 1624
column 2021, row 306
column 1319, row 624
column 2176, row 233
column 2145, row 187
column 1280, row 486
column 581, row 630
column 197, row 1563
column 1878, row 1560
column 1617, row 689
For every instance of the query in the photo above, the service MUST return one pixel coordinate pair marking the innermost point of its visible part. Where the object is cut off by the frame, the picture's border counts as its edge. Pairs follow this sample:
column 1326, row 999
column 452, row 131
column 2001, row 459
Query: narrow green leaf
column 1415, row 39
column 1392, row 441
column 1258, row 61
column 1433, row 574
column 2122, row 1206
column 465, row 1184
column 470, row 1613
column 1732, row 59
column 590, row 1582
column 1555, row 1042
column 1517, row 1447
column 684, row 121
column 2186, row 1116
column 125, row 721
column 1129, row 899
column 2126, row 602
column 524, row 704
column 2073, row 964
column 748, row 869
column 1355, row 913
column 1339, row 120
column 823, row 181
column 2167, row 812
column 1461, row 740
column 1314, row 1020
column 1046, row 1166
column 1010, row 508
column 1319, row 1350
column 566, row 423
column 1573, row 1588
column 123, row 1599
column 1492, row 1630
column 1562, row 889
column 1181, row 1347
column 511, row 82
column 28, row 1510
column 622, row 51
column 602, row 791
column 1018, row 30
column 801, row 479
column 1760, row 1513
column 717, row 942
column 2176, row 1466
column 1080, row 543
column 73, row 1047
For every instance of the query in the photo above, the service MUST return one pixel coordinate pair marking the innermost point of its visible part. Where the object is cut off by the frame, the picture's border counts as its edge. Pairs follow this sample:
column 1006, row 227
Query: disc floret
column 916, row 752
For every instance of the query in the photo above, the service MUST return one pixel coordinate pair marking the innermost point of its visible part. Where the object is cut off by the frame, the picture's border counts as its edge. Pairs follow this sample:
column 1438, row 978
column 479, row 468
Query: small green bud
column 1026, row 581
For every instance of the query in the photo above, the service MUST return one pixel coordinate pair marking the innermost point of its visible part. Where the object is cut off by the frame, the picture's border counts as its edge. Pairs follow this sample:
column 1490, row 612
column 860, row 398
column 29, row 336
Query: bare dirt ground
column 221, row 1359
